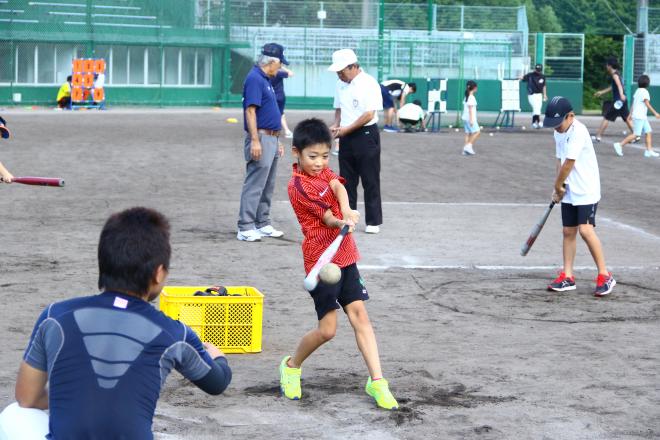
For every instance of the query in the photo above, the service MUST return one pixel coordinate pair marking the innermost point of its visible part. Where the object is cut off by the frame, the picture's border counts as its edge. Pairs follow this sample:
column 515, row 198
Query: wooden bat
column 40, row 181
column 312, row 278
column 536, row 230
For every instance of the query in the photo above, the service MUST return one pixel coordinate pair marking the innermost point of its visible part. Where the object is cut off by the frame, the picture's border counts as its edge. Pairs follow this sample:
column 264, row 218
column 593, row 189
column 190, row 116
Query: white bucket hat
column 342, row 58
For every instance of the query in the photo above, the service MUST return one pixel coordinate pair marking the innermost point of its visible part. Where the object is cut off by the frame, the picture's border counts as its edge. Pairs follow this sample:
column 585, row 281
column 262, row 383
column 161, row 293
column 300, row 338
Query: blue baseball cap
column 556, row 111
column 276, row 51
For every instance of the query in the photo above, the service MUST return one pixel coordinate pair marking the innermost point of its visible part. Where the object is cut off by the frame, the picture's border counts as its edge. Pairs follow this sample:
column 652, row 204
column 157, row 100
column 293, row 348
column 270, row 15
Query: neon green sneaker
column 290, row 380
column 380, row 391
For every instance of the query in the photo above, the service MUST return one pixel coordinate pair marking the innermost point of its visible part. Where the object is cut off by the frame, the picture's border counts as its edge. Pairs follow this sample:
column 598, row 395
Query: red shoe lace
column 601, row 279
column 562, row 276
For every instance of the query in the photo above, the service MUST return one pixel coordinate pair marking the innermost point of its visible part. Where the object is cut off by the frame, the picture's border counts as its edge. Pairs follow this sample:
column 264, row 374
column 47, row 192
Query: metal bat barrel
column 39, row 181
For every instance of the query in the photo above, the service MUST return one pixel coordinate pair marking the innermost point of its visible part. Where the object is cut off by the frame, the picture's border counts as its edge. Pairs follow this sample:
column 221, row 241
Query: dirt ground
column 472, row 344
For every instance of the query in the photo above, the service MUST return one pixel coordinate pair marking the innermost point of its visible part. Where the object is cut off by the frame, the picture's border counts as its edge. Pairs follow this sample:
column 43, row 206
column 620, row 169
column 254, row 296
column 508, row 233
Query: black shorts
column 350, row 288
column 409, row 121
column 610, row 113
column 575, row 215
column 388, row 102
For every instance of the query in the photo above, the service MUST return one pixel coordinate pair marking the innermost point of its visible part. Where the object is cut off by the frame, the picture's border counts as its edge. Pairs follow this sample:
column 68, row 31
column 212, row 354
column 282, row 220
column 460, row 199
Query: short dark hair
column 311, row 131
column 643, row 81
column 132, row 245
column 417, row 102
column 69, row 78
column 413, row 86
column 613, row 62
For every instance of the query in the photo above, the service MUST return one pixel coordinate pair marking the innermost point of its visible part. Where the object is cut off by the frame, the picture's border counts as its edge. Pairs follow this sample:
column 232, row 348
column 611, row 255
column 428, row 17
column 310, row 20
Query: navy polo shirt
column 258, row 91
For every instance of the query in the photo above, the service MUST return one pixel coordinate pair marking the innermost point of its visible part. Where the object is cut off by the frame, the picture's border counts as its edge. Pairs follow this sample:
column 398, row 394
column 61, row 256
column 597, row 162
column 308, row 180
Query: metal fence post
column 628, row 63
column 540, row 48
column 381, row 36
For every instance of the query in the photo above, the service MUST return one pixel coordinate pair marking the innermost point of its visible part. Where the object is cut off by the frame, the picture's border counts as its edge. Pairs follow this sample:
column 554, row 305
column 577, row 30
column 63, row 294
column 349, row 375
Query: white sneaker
column 288, row 134
column 249, row 235
column 269, row 231
column 535, row 125
column 595, row 138
column 618, row 149
column 371, row 229
column 650, row 153
column 468, row 151
column 540, row 124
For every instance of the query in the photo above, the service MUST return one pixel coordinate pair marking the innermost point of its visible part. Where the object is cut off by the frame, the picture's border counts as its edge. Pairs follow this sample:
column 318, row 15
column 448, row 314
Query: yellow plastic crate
column 232, row 323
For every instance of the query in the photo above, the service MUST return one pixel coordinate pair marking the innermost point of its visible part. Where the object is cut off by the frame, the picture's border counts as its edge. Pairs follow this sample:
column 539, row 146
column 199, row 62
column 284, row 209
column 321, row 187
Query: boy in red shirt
column 320, row 202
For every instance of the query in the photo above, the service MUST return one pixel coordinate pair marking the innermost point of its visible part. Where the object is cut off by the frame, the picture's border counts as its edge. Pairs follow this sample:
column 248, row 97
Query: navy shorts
column 388, row 102
column 575, row 215
column 610, row 113
column 280, row 105
column 350, row 288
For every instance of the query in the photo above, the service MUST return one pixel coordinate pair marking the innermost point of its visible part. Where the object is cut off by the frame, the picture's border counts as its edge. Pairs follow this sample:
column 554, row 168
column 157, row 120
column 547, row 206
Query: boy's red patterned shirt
column 311, row 197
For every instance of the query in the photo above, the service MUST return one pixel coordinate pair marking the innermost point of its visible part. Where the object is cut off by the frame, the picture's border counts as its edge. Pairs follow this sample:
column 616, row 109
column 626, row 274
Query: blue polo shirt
column 258, row 91
column 107, row 357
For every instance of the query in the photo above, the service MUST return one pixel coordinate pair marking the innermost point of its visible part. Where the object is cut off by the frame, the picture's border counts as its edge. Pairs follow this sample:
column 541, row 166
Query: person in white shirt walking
column 577, row 187
column 472, row 130
column 640, row 107
column 357, row 102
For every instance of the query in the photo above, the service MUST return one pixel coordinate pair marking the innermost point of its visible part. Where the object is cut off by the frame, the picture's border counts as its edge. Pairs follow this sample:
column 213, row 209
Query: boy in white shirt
column 577, row 186
column 641, row 102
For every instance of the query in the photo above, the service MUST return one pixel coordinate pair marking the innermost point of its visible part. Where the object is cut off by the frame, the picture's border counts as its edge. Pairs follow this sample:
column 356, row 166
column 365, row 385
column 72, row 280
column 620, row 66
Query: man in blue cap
column 262, row 149
column 577, row 187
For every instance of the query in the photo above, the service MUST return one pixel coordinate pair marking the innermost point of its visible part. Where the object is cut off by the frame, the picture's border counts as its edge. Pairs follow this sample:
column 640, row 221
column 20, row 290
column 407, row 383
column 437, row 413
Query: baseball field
column 471, row 342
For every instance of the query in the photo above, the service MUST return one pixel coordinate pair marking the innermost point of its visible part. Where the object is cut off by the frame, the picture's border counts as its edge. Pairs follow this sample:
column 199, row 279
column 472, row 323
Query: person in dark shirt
column 618, row 106
column 278, row 85
column 106, row 356
column 536, row 93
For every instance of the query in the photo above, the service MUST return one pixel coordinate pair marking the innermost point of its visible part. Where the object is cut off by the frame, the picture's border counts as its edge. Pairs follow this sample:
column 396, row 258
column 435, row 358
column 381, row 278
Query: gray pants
column 259, row 184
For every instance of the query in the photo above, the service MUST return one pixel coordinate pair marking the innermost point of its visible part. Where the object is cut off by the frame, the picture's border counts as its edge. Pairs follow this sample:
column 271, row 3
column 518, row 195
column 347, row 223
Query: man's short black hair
column 311, row 131
column 613, row 62
column 417, row 102
column 413, row 87
column 133, row 244
column 643, row 81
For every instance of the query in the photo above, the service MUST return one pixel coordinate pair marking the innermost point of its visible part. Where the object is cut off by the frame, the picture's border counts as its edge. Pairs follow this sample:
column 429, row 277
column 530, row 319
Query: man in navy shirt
column 106, row 357
column 262, row 149
column 278, row 85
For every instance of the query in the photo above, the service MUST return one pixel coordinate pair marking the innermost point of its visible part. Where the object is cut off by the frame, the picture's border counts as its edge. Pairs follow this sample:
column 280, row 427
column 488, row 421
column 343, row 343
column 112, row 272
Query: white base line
column 376, row 267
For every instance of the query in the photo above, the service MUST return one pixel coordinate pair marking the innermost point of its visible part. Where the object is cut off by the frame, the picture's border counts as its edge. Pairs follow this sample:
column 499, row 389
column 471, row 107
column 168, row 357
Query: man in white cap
column 357, row 102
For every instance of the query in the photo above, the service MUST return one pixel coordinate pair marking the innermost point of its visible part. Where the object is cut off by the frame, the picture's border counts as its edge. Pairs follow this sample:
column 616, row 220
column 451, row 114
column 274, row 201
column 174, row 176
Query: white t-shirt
column 362, row 94
column 583, row 182
column 639, row 109
column 471, row 102
column 399, row 89
column 411, row 111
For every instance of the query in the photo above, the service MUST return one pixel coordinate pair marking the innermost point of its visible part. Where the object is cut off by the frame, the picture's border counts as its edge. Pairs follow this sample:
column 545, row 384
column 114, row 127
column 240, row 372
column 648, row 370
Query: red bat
column 40, row 181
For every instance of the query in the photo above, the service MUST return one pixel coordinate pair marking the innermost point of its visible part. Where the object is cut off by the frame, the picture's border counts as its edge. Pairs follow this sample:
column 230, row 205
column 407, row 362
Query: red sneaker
column 562, row 283
column 604, row 284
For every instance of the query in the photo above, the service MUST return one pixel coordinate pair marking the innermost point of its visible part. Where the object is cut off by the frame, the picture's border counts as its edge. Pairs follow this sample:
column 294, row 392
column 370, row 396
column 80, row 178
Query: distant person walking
column 618, row 107
column 357, row 102
column 470, row 123
column 640, row 107
column 262, row 124
column 278, row 85
column 536, row 93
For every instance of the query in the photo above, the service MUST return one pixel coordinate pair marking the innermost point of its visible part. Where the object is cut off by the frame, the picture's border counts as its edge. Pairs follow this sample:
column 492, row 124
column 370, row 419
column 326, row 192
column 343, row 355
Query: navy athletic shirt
column 107, row 357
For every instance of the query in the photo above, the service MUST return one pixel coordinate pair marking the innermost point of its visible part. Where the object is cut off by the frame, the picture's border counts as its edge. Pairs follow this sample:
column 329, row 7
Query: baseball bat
column 40, row 181
column 536, row 230
column 312, row 278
